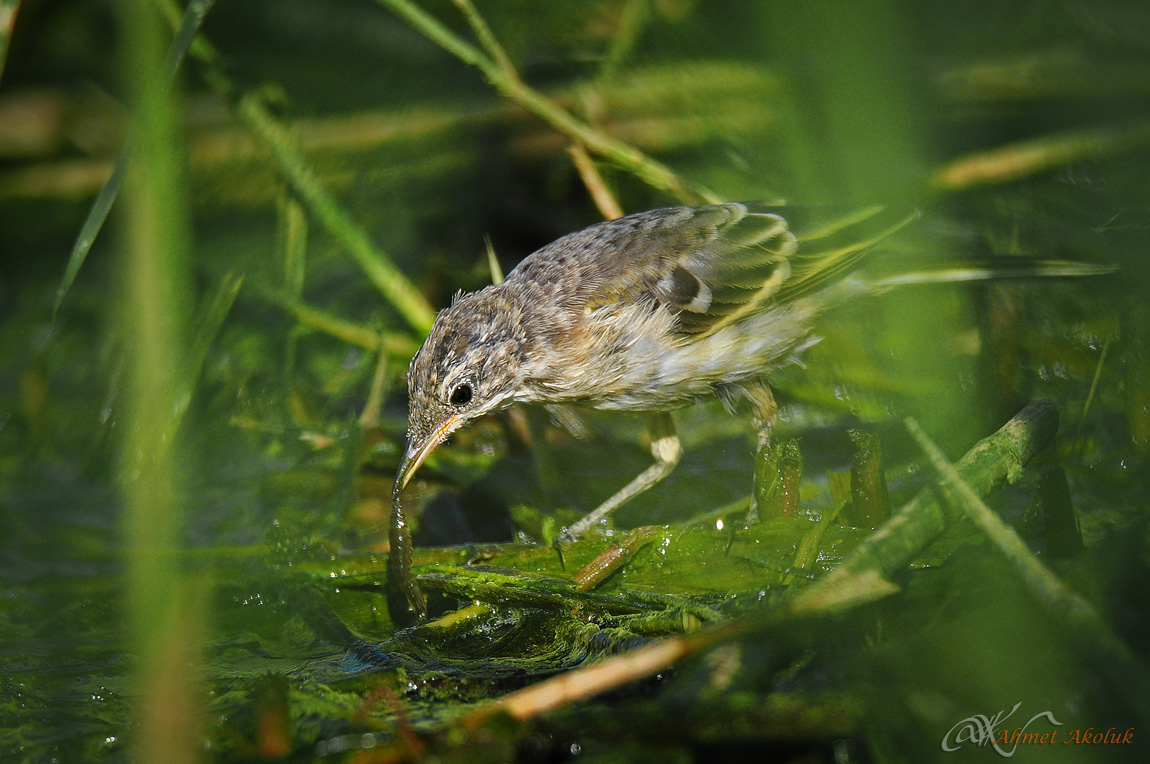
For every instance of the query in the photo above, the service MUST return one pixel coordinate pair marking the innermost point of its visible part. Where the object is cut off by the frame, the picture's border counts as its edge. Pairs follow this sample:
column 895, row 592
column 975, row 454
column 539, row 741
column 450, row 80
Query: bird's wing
column 831, row 245
column 716, row 265
column 724, row 262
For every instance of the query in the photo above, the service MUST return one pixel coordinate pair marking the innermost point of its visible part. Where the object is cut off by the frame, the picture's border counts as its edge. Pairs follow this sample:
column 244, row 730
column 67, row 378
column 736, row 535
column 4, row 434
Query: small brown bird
column 650, row 313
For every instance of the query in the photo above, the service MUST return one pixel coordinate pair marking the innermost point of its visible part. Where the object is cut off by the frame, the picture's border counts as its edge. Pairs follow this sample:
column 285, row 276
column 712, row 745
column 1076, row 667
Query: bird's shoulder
column 690, row 260
column 708, row 265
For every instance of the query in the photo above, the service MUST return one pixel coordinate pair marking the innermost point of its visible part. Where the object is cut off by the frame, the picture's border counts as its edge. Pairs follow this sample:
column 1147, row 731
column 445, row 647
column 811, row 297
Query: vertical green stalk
column 161, row 626
column 870, row 503
column 778, row 476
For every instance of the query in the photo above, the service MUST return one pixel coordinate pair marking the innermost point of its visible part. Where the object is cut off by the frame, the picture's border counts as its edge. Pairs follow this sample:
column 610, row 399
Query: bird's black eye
column 460, row 394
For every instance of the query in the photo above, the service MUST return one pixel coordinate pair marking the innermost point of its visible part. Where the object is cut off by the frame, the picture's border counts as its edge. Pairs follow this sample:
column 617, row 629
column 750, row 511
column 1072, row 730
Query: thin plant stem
column 645, row 168
column 208, row 326
column 1067, row 606
column 389, row 280
column 370, row 415
column 408, row 301
column 487, row 39
column 600, row 194
column 631, row 19
column 493, row 262
column 995, row 460
column 608, row 206
column 1093, row 387
column 394, row 343
column 1082, row 622
column 154, row 97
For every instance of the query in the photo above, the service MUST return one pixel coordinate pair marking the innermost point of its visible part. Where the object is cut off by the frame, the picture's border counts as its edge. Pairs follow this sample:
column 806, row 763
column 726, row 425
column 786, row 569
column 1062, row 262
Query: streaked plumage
column 648, row 313
column 645, row 313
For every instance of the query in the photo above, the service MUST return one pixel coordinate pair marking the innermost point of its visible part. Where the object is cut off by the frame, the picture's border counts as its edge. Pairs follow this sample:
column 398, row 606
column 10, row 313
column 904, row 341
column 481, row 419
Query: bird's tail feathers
column 832, row 246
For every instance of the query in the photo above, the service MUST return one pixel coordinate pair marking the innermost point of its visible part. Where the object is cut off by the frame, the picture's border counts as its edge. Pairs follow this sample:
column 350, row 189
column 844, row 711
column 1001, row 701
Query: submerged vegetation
column 228, row 226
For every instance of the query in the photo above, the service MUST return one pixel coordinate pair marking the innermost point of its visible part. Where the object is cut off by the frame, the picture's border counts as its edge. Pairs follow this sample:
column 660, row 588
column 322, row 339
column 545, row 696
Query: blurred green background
column 202, row 436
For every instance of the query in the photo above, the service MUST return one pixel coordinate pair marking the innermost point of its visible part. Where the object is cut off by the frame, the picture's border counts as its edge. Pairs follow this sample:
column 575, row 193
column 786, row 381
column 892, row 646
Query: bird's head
column 469, row 366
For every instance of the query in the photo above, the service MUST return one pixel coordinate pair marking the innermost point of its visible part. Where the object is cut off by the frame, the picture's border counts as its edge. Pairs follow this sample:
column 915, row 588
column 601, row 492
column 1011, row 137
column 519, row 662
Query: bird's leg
column 765, row 411
column 666, row 449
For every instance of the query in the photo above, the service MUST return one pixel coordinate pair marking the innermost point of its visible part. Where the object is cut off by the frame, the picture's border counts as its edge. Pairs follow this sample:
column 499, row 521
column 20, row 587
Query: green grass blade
column 193, row 19
column 211, row 319
column 408, row 301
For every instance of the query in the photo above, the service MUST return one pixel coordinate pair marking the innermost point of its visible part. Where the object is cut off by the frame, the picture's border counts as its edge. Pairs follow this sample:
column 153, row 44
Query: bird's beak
column 418, row 451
